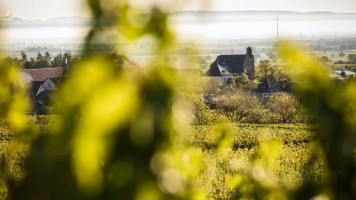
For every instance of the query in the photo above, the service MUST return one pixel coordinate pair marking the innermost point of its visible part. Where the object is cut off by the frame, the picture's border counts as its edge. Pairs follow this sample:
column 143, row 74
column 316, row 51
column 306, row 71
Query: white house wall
column 41, row 89
column 49, row 85
column 27, row 77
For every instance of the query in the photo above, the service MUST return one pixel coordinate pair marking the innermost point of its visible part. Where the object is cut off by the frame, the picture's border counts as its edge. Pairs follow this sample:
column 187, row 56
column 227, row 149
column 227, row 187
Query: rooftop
column 44, row 73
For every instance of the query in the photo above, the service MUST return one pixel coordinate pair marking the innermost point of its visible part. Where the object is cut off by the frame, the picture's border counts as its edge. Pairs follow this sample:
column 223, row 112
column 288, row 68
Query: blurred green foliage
column 121, row 134
column 117, row 136
column 333, row 108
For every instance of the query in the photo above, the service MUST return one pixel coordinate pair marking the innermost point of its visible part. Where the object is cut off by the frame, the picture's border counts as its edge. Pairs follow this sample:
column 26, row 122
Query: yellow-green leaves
column 13, row 102
column 103, row 101
column 306, row 69
column 331, row 102
column 134, row 25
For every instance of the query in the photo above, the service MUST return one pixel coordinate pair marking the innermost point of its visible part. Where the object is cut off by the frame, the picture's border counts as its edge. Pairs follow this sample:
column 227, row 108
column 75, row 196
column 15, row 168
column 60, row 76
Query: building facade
column 232, row 65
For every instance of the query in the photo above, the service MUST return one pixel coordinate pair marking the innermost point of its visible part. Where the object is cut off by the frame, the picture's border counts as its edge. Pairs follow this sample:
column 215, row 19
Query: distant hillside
column 190, row 17
column 208, row 16
column 266, row 12
column 56, row 22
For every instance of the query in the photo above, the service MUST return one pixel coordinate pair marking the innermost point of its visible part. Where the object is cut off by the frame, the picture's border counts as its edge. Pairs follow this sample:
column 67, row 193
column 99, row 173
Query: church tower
column 249, row 64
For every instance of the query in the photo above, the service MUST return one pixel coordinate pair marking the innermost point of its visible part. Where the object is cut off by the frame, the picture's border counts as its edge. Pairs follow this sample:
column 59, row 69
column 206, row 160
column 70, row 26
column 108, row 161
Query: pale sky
column 45, row 9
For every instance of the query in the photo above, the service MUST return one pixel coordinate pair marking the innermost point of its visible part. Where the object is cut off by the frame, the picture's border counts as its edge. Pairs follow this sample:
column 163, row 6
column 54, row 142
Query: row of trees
column 244, row 106
column 65, row 60
column 45, row 61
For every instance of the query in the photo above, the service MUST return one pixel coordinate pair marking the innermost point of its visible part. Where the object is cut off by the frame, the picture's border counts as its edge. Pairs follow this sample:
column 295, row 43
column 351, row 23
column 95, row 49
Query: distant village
column 43, row 81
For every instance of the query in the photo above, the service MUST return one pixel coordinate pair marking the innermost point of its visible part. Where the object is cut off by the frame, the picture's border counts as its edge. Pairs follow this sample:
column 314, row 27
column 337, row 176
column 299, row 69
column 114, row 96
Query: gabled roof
column 44, row 73
column 35, row 85
column 226, row 65
column 270, row 85
column 213, row 70
column 233, row 63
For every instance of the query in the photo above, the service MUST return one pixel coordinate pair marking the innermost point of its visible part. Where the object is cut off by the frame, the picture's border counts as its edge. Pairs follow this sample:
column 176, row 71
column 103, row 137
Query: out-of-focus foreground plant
column 13, row 107
column 333, row 108
column 118, row 134
column 332, row 105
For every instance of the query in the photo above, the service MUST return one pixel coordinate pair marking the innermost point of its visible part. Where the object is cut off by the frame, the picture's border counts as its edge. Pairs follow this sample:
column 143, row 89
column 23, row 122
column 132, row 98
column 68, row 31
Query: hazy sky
column 44, row 9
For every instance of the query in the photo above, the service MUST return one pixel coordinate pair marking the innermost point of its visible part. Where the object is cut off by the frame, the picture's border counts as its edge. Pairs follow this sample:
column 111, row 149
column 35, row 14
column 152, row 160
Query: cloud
column 8, row 16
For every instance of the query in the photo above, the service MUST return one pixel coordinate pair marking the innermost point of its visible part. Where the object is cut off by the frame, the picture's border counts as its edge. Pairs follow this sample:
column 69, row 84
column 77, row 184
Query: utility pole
column 277, row 29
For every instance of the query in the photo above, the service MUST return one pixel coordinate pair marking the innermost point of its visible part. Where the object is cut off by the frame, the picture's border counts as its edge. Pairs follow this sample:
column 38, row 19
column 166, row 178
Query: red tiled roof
column 44, row 73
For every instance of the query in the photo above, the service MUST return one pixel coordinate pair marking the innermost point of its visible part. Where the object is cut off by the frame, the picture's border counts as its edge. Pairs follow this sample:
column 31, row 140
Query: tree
column 241, row 104
column 284, row 107
column 25, row 63
column 68, row 55
column 68, row 60
column 33, row 61
column 240, row 80
column 324, row 59
column 202, row 114
column 265, row 68
column 23, row 57
column 39, row 56
column 341, row 54
column 42, row 62
column 58, row 61
column 65, row 60
column 48, row 55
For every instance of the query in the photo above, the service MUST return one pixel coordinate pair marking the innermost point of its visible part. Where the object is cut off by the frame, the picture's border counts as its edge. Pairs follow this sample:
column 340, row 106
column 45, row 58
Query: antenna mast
column 277, row 29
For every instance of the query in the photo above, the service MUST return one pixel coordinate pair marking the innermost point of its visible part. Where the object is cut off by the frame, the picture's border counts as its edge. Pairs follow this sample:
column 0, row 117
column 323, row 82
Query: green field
column 334, row 57
column 292, row 143
column 13, row 152
column 242, row 152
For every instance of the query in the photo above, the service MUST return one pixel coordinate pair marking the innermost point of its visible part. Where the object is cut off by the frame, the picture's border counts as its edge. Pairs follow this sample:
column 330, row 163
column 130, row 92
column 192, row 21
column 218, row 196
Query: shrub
column 239, row 105
column 202, row 114
column 284, row 107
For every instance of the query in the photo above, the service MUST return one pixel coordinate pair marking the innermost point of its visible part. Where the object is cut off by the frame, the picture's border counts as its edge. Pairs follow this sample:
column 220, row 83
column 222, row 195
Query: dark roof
column 214, row 70
column 42, row 96
column 270, row 85
column 227, row 65
column 35, row 85
column 233, row 63
column 44, row 73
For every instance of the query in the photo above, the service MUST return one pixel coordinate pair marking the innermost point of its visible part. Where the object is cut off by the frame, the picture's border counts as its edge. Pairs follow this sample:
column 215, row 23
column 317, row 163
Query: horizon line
column 180, row 11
